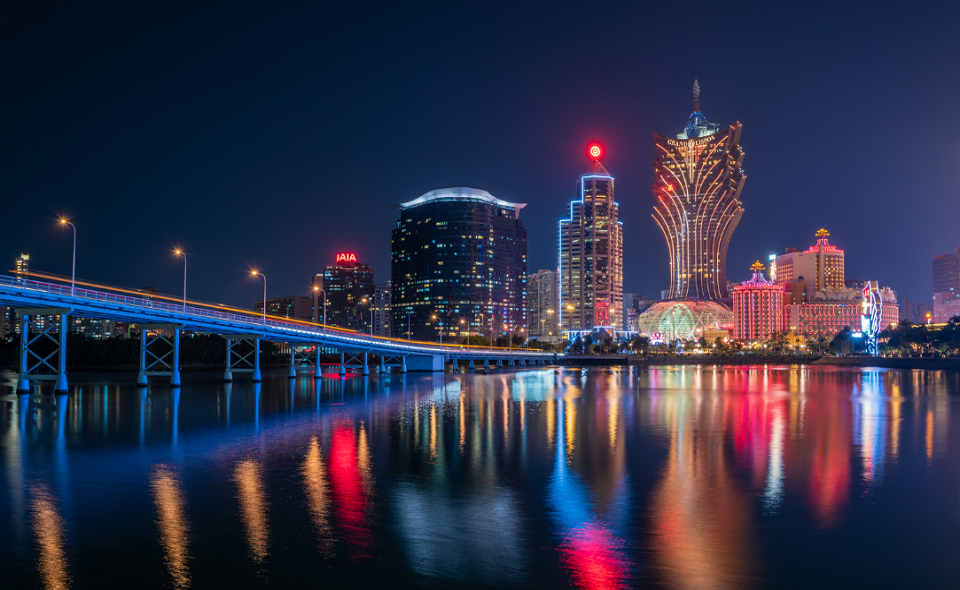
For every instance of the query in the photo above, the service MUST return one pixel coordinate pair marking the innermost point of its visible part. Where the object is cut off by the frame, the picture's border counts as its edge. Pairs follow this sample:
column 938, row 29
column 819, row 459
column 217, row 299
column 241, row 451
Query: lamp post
column 255, row 273
column 319, row 290
column 365, row 300
column 73, row 275
column 440, row 327
column 180, row 253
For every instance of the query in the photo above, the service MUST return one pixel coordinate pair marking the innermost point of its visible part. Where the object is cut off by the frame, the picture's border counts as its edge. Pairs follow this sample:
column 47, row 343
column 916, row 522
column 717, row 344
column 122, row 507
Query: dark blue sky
column 273, row 137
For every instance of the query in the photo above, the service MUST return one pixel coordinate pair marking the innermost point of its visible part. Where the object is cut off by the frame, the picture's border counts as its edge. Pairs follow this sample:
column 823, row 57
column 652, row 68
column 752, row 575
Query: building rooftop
column 460, row 193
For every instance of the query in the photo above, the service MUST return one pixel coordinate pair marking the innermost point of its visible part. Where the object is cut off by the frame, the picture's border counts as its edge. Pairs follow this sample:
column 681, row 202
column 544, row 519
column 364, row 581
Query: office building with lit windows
column 543, row 302
column 820, row 266
column 293, row 307
column 697, row 180
column 382, row 318
column 347, row 288
column 591, row 254
column 459, row 266
column 946, row 286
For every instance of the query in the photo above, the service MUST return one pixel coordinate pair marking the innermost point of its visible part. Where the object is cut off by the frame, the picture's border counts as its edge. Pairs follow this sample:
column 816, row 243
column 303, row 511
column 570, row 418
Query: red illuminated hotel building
column 758, row 307
column 697, row 179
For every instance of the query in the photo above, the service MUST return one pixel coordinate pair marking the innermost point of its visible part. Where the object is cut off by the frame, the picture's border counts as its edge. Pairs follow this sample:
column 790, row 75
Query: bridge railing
column 173, row 308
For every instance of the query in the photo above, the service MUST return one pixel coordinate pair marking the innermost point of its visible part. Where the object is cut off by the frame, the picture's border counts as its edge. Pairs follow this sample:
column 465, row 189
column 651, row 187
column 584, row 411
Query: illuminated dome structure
column 684, row 319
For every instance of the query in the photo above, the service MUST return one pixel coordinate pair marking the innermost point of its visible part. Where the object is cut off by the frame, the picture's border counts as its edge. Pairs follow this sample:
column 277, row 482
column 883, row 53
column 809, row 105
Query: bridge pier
column 366, row 366
column 403, row 364
column 486, row 364
column 343, row 368
column 510, row 363
column 317, row 371
column 293, row 361
column 471, row 367
column 499, row 363
column 29, row 371
column 158, row 363
column 256, row 378
column 383, row 366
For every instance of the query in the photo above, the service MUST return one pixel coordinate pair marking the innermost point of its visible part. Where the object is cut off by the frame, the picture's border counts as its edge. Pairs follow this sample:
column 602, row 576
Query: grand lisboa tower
column 697, row 179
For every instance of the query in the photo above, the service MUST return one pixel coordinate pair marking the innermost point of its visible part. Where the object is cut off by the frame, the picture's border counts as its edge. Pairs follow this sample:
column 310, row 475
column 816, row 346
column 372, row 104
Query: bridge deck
column 23, row 293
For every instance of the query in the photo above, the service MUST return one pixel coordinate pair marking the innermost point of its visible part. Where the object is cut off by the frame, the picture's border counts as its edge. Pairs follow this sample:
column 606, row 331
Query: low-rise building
column 758, row 307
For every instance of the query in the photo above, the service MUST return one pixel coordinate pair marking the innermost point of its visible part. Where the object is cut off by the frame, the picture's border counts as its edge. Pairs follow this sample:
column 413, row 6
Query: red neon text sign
column 346, row 257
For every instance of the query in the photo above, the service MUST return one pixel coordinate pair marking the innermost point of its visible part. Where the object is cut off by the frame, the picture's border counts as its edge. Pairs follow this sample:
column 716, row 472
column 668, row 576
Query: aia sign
column 346, row 257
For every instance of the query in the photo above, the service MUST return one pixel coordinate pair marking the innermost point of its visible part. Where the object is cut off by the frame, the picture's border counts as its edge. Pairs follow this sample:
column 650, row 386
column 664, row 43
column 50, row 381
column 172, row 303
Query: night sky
column 273, row 137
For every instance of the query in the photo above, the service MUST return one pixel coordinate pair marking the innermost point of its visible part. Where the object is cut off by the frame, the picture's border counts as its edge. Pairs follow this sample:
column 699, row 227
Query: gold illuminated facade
column 697, row 179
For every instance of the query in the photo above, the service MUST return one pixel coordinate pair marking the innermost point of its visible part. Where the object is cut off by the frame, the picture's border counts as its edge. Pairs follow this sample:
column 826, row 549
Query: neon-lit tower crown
column 697, row 179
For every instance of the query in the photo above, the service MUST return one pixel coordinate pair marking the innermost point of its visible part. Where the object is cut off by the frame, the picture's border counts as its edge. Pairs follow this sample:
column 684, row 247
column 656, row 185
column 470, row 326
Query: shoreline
column 848, row 361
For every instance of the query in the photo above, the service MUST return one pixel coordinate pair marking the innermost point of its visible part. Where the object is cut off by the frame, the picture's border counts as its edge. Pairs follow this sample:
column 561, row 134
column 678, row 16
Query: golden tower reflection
column 318, row 494
column 172, row 522
column 253, row 507
column 49, row 528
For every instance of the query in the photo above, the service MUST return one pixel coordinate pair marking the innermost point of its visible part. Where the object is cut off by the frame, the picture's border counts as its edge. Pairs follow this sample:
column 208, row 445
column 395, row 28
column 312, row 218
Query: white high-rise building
column 543, row 301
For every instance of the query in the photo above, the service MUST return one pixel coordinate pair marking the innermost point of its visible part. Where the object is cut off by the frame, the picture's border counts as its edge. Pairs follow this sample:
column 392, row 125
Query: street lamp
column 255, row 273
column 315, row 291
column 180, row 253
column 440, row 326
column 73, row 276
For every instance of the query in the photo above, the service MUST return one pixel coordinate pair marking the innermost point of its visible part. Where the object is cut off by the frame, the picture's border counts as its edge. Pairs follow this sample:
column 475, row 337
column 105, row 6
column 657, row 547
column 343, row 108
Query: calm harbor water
column 669, row 477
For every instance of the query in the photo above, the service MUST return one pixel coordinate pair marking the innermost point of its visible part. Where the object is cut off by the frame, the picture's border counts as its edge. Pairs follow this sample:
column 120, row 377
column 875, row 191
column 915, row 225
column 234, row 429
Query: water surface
column 669, row 477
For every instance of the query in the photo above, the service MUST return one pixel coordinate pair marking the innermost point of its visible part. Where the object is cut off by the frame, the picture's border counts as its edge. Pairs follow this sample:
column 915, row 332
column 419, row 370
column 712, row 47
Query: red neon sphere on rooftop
column 595, row 151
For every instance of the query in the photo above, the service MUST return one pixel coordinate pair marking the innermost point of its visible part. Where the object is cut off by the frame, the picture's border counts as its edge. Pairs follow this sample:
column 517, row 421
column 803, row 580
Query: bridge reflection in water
column 599, row 478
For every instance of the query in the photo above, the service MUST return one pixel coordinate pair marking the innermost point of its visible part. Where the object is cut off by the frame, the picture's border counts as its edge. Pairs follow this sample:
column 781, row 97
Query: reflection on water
column 318, row 495
column 172, row 522
column 593, row 478
column 253, row 507
column 590, row 547
column 349, row 482
column 703, row 535
column 50, row 531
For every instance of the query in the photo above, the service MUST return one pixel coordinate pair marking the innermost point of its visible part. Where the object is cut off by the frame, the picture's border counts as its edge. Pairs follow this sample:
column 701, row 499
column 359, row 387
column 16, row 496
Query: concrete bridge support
column 470, row 365
column 403, row 364
column 343, row 367
column 31, row 363
column 239, row 361
column 153, row 360
column 293, row 361
column 366, row 365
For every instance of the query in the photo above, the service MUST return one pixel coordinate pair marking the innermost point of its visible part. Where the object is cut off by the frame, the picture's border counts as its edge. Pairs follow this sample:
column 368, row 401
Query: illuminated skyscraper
column 697, row 179
column 348, row 288
column 459, row 266
column 591, row 253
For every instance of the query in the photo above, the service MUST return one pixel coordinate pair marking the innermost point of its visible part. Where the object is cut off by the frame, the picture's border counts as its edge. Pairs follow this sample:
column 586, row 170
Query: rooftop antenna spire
column 696, row 96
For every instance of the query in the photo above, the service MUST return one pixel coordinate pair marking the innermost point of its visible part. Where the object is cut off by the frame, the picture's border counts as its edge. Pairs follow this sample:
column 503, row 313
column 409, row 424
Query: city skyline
column 144, row 135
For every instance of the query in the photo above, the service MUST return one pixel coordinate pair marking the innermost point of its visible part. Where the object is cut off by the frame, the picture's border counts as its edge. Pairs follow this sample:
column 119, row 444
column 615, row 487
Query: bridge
column 43, row 344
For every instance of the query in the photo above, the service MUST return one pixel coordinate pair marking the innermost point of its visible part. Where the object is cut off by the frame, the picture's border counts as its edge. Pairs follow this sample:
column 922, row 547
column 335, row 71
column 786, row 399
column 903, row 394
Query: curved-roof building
column 458, row 266
column 685, row 319
column 460, row 193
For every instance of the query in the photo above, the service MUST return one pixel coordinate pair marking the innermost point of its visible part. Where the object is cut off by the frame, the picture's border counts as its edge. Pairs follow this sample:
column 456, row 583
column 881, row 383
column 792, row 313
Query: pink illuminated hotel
column 807, row 296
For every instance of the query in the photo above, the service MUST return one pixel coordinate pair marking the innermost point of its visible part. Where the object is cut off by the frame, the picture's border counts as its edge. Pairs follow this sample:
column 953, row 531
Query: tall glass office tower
column 459, row 266
column 697, row 179
column 591, row 254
